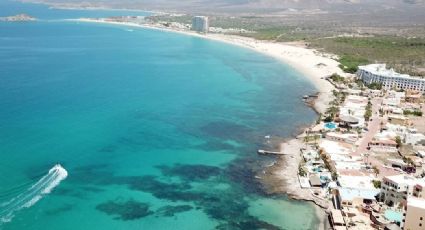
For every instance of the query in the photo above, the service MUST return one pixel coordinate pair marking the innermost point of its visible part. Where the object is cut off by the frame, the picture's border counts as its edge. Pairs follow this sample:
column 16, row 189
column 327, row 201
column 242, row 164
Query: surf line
column 33, row 194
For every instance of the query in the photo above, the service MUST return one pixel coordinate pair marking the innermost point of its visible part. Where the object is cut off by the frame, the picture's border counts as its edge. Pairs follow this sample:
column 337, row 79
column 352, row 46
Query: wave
column 33, row 194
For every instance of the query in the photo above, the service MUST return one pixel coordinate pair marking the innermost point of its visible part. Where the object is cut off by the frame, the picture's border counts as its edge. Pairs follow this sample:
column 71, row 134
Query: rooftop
column 405, row 179
column 381, row 69
column 351, row 193
column 415, row 202
column 333, row 147
column 337, row 216
column 360, row 182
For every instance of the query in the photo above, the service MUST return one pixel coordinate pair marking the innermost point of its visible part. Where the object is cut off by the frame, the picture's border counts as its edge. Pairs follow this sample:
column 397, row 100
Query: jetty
column 265, row 152
column 305, row 97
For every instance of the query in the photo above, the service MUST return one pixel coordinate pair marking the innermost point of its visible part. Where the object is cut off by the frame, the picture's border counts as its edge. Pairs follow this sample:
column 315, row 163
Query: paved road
column 374, row 127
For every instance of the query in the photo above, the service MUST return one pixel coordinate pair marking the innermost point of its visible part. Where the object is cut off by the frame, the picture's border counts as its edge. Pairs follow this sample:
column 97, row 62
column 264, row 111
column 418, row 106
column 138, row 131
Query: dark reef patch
column 108, row 149
column 190, row 172
column 92, row 189
column 218, row 204
column 63, row 191
column 171, row 210
column 125, row 210
column 58, row 210
column 216, row 146
column 243, row 172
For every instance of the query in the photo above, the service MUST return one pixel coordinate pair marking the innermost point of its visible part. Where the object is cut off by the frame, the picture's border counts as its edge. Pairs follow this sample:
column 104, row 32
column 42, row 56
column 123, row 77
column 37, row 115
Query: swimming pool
column 330, row 125
column 394, row 216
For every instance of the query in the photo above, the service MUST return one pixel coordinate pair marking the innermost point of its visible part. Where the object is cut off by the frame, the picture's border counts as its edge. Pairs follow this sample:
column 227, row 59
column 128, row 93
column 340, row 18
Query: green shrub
column 350, row 63
column 417, row 113
column 376, row 183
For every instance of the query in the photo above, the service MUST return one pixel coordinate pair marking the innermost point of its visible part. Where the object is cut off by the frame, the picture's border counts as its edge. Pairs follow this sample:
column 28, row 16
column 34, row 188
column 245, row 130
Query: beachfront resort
column 365, row 154
column 362, row 160
column 389, row 79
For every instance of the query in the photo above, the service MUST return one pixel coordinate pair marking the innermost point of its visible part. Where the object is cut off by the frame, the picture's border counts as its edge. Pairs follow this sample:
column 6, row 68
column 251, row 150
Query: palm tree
column 375, row 170
column 307, row 137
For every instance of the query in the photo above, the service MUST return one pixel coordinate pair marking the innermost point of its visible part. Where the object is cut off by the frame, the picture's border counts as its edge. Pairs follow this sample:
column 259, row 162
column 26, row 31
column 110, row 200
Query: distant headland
column 18, row 18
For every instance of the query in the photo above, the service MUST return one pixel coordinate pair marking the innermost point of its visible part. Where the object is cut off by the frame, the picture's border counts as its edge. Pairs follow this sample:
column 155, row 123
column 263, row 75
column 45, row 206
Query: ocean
column 152, row 129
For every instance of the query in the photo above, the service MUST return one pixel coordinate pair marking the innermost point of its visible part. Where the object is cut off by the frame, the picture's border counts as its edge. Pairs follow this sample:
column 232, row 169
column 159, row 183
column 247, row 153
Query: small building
column 397, row 110
column 398, row 119
column 419, row 191
column 315, row 181
column 413, row 138
column 355, row 197
column 392, row 226
column 383, row 145
column 391, row 101
column 360, row 182
column 349, row 121
column 397, row 163
column 413, row 96
column 420, row 153
column 350, row 138
column 337, row 220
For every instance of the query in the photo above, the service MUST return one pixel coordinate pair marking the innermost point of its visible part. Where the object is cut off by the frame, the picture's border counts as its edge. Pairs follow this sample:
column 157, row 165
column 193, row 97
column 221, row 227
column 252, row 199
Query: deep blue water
column 156, row 130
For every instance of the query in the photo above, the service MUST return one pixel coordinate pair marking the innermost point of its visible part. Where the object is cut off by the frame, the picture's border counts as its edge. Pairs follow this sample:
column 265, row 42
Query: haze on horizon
column 396, row 11
column 259, row 6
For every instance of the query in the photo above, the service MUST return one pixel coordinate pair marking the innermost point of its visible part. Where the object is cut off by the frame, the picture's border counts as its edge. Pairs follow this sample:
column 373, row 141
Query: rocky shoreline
column 282, row 176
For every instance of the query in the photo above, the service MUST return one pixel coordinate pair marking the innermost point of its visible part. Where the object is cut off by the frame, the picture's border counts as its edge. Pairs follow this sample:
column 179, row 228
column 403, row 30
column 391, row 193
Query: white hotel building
column 378, row 73
column 396, row 189
column 200, row 24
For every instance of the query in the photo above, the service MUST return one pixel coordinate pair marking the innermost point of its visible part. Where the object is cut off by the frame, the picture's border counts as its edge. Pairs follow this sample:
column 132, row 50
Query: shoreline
column 312, row 64
column 282, row 176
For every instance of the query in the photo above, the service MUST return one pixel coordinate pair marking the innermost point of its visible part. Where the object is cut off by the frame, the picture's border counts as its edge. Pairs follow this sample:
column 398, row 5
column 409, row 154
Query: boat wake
column 33, row 194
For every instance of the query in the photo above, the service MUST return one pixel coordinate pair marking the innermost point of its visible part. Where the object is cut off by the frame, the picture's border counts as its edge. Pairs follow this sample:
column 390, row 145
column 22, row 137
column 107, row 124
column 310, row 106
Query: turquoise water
column 394, row 216
column 156, row 130
column 330, row 125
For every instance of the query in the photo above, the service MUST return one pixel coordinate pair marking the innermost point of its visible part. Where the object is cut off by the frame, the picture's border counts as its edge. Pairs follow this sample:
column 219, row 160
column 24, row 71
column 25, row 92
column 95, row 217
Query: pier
column 265, row 152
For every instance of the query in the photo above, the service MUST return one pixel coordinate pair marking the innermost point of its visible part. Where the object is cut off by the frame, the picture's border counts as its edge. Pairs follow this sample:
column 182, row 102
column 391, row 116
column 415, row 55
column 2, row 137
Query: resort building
column 383, row 145
column 200, row 24
column 415, row 214
column 396, row 189
column 355, row 197
column 378, row 73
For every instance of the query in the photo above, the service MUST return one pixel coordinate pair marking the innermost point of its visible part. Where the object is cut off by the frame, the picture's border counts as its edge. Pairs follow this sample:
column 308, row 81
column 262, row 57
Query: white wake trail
column 33, row 194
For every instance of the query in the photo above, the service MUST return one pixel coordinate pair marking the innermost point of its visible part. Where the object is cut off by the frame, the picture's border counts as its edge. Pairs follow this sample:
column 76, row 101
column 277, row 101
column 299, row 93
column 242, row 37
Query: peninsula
column 18, row 18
